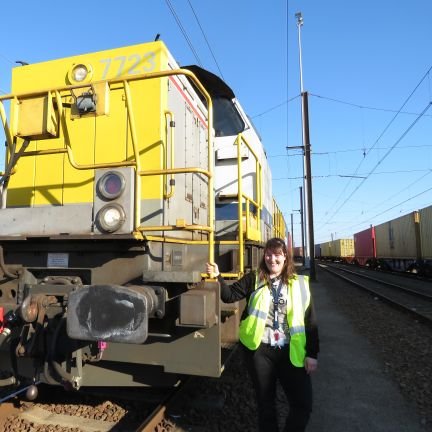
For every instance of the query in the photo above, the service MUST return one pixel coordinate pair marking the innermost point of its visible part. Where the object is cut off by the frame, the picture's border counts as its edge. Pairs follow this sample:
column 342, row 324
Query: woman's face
column 275, row 260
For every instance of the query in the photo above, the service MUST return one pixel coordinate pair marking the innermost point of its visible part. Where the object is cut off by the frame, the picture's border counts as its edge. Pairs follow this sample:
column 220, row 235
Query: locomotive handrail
column 240, row 195
column 175, row 228
column 192, row 227
column 136, row 162
column 169, row 194
column 4, row 122
column 176, row 171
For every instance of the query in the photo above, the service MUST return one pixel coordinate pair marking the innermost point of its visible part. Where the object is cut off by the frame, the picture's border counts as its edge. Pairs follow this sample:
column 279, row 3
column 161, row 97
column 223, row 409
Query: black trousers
column 266, row 366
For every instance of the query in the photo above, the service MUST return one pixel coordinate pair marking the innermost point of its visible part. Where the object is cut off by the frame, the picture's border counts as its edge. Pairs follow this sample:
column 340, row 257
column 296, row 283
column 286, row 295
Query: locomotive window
column 227, row 120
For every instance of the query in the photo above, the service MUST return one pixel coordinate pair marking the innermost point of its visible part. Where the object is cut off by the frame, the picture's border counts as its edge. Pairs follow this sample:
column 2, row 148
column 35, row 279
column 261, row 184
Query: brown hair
column 277, row 245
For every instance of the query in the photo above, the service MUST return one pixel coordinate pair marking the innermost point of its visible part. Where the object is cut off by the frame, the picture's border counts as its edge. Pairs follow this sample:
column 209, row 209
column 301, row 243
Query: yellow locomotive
column 124, row 174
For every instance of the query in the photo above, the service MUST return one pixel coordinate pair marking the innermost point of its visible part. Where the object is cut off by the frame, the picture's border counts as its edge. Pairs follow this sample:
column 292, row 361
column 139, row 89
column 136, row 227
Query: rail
column 416, row 301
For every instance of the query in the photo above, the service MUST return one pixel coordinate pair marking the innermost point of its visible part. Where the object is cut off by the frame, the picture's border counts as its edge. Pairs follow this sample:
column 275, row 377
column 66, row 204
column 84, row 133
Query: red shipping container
column 364, row 245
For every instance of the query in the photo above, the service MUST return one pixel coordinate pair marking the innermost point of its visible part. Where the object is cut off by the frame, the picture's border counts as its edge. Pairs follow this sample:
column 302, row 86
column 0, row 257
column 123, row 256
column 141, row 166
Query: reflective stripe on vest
column 253, row 326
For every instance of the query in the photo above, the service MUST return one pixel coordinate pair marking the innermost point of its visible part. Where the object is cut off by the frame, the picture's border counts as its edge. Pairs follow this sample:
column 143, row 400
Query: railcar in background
column 298, row 253
column 337, row 250
column 405, row 243
column 401, row 244
column 124, row 175
column 365, row 247
column 317, row 251
column 397, row 242
column 424, row 264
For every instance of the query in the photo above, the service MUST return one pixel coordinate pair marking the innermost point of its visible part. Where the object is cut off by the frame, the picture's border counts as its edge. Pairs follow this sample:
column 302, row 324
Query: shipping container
column 326, row 250
column 343, row 248
column 364, row 246
column 298, row 252
column 426, row 232
column 397, row 241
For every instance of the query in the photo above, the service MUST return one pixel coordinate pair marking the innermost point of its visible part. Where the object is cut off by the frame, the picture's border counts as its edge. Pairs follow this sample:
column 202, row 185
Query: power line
column 384, row 157
column 393, row 196
column 6, row 59
column 363, row 106
column 338, row 101
column 207, row 42
column 393, row 207
column 360, row 176
column 168, row 2
column 275, row 107
column 376, row 142
column 348, row 151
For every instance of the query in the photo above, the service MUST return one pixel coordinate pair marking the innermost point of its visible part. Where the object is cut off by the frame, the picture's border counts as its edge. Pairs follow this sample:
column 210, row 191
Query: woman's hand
column 311, row 365
column 213, row 270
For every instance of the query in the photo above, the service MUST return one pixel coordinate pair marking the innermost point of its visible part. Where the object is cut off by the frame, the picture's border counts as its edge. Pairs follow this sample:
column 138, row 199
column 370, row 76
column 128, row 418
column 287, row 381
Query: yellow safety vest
column 298, row 299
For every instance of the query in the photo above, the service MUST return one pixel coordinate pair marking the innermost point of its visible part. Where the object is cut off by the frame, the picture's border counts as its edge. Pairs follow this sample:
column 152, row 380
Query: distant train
column 401, row 244
column 341, row 249
column 124, row 175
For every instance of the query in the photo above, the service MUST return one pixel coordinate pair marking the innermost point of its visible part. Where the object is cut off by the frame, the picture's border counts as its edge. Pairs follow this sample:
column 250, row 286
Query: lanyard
column 275, row 294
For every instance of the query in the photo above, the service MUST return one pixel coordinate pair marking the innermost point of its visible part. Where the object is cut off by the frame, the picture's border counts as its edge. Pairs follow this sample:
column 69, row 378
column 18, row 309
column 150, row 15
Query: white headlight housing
column 111, row 217
column 80, row 73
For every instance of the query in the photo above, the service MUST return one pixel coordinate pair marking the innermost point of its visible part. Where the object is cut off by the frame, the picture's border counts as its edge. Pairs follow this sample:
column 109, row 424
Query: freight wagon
column 337, row 250
column 401, row 244
column 365, row 247
column 397, row 242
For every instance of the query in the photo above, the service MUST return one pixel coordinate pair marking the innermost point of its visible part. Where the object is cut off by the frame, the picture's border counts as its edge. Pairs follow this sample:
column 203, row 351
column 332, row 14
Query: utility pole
column 302, row 225
column 292, row 233
column 299, row 17
column 309, row 247
column 308, row 175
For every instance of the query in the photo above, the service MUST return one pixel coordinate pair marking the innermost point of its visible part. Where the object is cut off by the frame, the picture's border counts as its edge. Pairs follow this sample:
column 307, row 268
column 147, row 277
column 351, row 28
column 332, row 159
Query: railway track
column 142, row 410
column 113, row 409
column 413, row 296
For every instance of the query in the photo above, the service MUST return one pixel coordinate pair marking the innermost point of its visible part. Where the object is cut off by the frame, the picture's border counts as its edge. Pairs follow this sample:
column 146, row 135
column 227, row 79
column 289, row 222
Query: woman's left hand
column 311, row 365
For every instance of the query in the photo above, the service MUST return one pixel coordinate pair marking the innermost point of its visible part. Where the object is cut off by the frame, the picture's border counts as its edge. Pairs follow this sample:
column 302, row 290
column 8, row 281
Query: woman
column 278, row 334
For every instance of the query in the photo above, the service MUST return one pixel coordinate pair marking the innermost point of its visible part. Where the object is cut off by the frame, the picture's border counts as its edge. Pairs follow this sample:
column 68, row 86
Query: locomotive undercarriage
column 108, row 313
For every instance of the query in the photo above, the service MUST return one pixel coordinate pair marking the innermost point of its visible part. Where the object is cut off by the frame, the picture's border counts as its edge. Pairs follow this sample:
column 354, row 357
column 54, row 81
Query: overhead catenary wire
column 324, row 153
column 168, row 2
column 382, row 159
column 355, row 105
column 391, row 208
column 360, row 176
column 6, row 60
column 374, row 145
column 364, row 106
column 275, row 107
column 206, row 40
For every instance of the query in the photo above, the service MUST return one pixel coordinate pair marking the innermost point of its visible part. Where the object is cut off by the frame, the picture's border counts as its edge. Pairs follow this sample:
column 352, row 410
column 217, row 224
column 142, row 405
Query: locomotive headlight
column 111, row 217
column 111, row 185
column 80, row 73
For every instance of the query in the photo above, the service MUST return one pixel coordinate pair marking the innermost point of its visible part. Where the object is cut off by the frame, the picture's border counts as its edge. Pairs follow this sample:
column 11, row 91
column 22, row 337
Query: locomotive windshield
column 226, row 118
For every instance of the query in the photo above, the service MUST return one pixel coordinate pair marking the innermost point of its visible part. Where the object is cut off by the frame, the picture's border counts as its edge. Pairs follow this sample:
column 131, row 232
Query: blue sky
column 365, row 66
